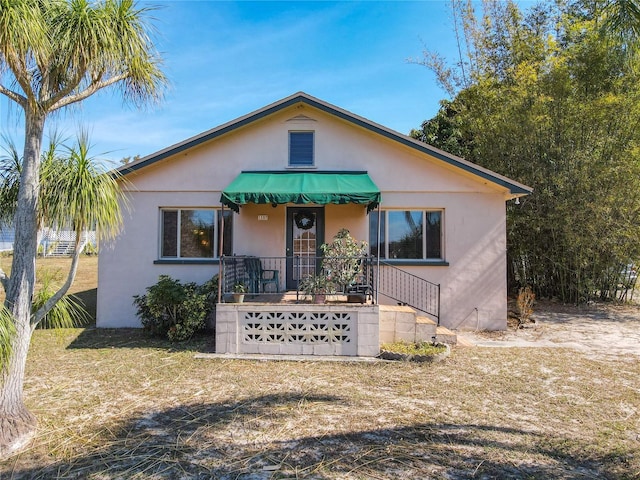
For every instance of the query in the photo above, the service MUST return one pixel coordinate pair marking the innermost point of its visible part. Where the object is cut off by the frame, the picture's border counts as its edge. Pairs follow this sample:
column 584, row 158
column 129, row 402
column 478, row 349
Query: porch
column 306, row 303
column 349, row 322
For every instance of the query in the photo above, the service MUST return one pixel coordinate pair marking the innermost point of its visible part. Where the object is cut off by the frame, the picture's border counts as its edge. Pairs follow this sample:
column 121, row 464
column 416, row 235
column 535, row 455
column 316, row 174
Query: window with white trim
column 407, row 234
column 301, row 149
column 194, row 233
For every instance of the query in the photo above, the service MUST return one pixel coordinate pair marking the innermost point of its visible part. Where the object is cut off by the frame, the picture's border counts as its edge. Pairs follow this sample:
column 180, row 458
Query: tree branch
column 87, row 92
column 49, row 304
column 71, row 85
column 20, row 71
column 16, row 97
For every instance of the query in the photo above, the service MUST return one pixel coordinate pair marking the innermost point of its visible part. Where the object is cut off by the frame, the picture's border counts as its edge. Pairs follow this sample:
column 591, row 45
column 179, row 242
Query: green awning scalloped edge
column 319, row 188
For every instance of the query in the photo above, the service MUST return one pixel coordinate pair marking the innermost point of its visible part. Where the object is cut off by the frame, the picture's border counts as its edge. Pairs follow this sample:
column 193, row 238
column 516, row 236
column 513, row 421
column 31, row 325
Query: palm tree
column 76, row 192
column 55, row 53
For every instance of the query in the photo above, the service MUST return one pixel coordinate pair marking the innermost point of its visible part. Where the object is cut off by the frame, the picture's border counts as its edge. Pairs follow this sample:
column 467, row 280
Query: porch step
column 444, row 335
column 63, row 248
column 464, row 342
column 402, row 323
column 426, row 329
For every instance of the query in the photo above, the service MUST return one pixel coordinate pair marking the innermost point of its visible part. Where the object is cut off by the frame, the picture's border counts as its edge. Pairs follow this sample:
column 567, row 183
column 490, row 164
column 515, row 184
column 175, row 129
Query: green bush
column 175, row 310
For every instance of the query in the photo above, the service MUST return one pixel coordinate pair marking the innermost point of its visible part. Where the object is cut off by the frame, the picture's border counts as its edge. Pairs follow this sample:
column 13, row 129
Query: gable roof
column 515, row 189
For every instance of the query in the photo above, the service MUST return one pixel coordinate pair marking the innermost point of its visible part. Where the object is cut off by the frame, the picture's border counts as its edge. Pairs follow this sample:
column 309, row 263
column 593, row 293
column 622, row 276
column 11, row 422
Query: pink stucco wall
column 473, row 284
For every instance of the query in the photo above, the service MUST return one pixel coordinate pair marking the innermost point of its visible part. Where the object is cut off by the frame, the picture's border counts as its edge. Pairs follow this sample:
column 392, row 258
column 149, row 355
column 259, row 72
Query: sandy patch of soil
column 598, row 330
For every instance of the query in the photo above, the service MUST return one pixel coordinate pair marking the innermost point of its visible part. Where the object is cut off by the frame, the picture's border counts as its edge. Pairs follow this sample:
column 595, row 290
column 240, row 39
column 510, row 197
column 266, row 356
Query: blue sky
column 225, row 59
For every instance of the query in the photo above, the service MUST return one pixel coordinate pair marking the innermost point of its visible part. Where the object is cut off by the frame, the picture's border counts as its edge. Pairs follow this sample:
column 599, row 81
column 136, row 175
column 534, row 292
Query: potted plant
column 239, row 289
column 343, row 259
column 316, row 286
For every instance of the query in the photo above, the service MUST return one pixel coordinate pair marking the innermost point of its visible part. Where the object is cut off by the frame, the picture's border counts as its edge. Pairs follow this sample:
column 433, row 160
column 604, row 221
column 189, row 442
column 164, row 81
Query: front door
column 305, row 234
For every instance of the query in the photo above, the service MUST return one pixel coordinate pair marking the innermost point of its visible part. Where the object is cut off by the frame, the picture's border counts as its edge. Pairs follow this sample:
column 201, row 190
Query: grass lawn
column 117, row 404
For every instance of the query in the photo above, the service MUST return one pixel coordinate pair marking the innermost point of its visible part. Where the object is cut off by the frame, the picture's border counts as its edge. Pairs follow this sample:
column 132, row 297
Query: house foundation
column 301, row 329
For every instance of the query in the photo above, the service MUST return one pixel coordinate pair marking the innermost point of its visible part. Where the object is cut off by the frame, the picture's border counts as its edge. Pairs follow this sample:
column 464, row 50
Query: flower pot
column 319, row 298
column 238, row 297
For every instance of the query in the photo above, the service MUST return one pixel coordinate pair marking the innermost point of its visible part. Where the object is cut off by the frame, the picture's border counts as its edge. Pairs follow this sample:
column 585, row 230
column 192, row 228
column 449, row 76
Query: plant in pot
column 316, row 286
column 343, row 259
column 239, row 290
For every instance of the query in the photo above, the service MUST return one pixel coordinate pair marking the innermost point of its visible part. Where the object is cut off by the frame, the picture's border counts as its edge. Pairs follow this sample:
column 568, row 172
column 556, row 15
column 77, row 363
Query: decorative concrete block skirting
column 298, row 329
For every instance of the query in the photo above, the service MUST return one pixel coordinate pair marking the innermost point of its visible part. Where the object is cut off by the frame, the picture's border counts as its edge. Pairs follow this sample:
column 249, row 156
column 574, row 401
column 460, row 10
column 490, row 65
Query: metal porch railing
column 408, row 289
column 268, row 276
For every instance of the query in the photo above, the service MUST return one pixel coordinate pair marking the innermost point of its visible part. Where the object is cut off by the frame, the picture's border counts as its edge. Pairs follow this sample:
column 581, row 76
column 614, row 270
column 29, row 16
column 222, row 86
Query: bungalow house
column 278, row 182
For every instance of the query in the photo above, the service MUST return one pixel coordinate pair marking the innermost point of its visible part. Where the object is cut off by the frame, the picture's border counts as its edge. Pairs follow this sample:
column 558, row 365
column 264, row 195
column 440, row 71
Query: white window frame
column 384, row 255
column 179, row 210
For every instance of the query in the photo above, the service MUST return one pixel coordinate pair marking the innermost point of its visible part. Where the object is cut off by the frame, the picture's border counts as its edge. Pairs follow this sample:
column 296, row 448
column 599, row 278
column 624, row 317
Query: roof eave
column 514, row 188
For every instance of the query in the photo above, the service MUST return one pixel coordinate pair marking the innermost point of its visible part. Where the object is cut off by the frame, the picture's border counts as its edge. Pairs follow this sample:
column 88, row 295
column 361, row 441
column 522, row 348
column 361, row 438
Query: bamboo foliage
column 556, row 106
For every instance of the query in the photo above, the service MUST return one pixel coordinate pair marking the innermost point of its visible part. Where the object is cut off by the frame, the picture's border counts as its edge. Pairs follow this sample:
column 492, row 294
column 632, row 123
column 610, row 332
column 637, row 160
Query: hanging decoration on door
column 304, row 220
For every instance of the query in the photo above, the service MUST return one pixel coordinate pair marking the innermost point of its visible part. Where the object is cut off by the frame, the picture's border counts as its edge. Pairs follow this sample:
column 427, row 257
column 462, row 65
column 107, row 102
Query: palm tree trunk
column 17, row 424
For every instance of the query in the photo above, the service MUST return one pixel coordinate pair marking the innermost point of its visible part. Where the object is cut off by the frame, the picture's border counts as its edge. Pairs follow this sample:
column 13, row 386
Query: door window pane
column 304, row 243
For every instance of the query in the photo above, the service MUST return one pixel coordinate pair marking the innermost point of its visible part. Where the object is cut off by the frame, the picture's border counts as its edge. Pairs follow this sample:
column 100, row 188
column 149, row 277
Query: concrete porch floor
column 292, row 297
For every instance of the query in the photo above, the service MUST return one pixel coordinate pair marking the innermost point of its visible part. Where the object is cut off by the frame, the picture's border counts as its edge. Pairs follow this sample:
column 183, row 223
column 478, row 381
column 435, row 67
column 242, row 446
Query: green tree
column 553, row 105
column 55, row 53
column 621, row 22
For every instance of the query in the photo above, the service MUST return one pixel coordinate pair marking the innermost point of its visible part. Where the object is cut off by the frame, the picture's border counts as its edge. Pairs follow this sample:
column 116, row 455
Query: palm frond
column 103, row 40
column 77, row 192
column 10, row 169
column 7, row 334
column 68, row 312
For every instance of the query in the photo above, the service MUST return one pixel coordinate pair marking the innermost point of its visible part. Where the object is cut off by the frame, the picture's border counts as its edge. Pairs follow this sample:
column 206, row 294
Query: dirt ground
column 598, row 330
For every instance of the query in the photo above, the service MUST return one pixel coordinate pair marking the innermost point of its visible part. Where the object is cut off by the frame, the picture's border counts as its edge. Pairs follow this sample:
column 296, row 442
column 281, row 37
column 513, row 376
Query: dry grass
column 114, row 404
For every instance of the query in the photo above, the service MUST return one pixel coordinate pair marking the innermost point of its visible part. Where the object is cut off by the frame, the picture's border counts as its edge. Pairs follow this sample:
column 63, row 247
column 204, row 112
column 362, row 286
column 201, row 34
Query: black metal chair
column 259, row 278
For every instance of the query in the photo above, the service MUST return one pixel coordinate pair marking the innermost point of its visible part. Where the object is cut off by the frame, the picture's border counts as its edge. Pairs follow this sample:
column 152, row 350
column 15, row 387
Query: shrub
column 175, row 310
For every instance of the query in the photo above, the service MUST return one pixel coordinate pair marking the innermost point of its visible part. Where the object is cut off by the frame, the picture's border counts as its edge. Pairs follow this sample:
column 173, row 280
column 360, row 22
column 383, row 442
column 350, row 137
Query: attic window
column 301, row 149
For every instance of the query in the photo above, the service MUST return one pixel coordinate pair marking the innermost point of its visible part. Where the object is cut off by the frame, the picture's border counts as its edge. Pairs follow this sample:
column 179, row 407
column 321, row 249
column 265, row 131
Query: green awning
column 300, row 188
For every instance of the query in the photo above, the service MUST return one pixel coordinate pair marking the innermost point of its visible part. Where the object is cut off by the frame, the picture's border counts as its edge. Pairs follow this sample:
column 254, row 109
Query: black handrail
column 408, row 289
column 378, row 278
